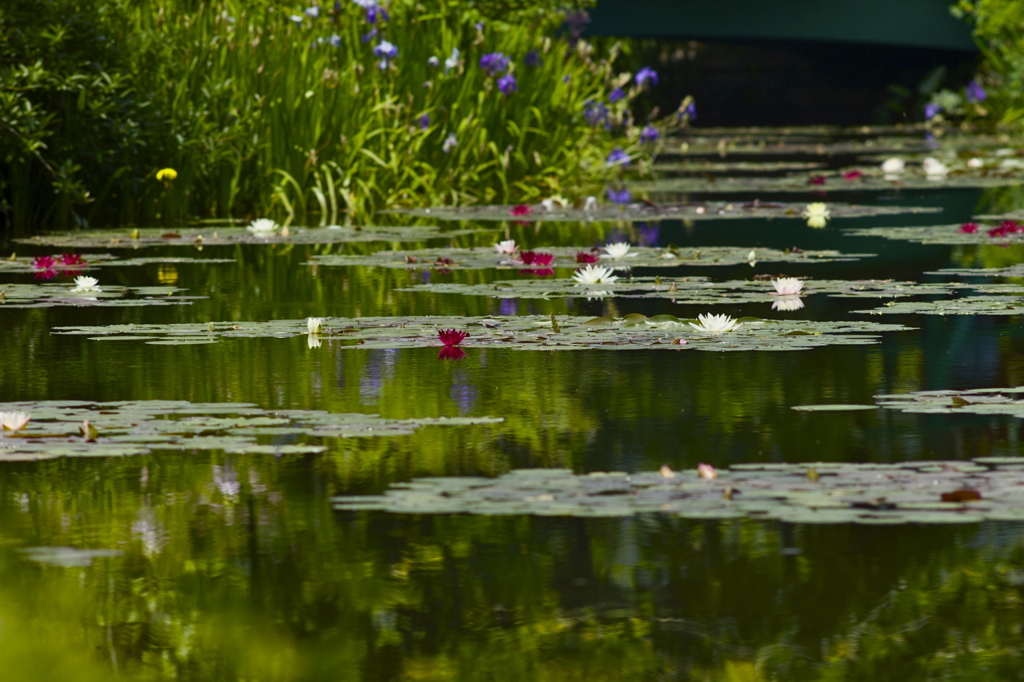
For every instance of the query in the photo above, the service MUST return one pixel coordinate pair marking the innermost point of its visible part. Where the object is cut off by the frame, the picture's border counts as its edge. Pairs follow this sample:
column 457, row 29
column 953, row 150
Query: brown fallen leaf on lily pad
column 964, row 495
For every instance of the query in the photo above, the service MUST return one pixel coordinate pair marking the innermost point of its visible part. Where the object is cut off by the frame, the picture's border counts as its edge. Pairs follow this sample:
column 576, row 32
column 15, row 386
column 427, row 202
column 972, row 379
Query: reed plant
column 326, row 114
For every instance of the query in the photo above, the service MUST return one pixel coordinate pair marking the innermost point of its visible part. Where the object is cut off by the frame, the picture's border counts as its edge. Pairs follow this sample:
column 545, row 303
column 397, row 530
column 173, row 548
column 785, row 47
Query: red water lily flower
column 543, row 272
column 584, row 257
column 452, row 337
column 451, row 353
column 72, row 259
column 1006, row 227
column 853, row 175
column 521, row 209
column 969, row 228
column 43, row 262
column 527, row 257
column 817, row 180
column 543, row 258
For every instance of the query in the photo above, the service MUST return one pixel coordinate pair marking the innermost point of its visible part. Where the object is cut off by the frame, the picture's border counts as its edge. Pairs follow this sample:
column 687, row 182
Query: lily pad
column 62, row 294
column 966, row 305
column 685, row 290
column 694, row 210
column 909, row 492
column 136, row 428
column 565, row 256
column 95, row 261
column 833, row 408
column 213, row 236
column 984, row 401
column 632, row 332
column 938, row 234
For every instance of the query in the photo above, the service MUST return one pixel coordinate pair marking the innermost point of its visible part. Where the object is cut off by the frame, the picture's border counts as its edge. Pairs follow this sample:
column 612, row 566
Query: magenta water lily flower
column 451, row 353
column 520, row 210
column 452, row 337
column 584, row 257
column 969, row 228
column 72, row 259
column 43, row 262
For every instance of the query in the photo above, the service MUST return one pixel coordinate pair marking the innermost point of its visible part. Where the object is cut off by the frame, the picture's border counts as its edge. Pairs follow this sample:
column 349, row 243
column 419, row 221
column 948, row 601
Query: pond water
column 224, row 565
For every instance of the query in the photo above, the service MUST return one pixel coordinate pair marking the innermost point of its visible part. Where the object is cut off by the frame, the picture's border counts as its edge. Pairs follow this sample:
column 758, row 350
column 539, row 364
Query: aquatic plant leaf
column 520, row 333
column 694, row 210
column 99, row 261
column 982, row 401
column 908, row 492
column 684, row 290
column 214, row 236
column 131, row 428
column 966, row 305
column 565, row 256
column 833, row 408
column 937, row 234
column 53, row 294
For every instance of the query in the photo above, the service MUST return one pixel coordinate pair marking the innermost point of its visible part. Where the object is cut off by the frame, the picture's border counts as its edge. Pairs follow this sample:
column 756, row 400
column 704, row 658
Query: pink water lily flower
column 452, row 337
column 508, row 246
column 706, row 471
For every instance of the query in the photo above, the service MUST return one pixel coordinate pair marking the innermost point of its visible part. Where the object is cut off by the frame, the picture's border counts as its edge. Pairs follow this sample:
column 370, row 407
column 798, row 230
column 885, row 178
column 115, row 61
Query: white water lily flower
column 594, row 274
column 934, row 168
column 788, row 286
column 715, row 324
column 817, row 214
column 617, row 250
column 262, row 226
column 894, row 165
column 787, row 303
column 975, row 162
column 590, row 204
column 508, row 246
column 13, row 421
column 752, row 258
column 312, row 340
column 86, row 284
column 313, row 324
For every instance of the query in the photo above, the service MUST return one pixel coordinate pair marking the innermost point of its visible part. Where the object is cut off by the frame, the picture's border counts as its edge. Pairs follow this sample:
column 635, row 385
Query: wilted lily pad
column 128, row 428
column 825, row 492
column 213, row 236
column 695, row 210
column 565, row 256
column 631, row 332
column 683, row 290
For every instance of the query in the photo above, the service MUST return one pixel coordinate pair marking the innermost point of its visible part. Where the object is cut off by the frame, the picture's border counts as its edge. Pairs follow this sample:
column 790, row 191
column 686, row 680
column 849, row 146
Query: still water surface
column 235, row 567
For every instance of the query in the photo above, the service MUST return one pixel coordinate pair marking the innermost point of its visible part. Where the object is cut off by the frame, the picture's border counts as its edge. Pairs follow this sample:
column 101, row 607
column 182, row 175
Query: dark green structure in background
column 910, row 23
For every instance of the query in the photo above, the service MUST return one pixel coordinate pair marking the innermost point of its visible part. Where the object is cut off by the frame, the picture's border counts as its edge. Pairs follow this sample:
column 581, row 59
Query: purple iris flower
column 385, row 50
column 619, row 196
column 616, row 95
column 975, row 93
column 931, row 110
column 649, row 134
column 375, row 12
column 618, row 158
column 335, row 41
column 494, row 63
column 649, row 234
column 645, row 75
column 691, row 109
column 566, row 78
column 596, row 113
column 532, row 59
column 479, row 25
column 367, row 37
column 507, row 84
column 424, row 121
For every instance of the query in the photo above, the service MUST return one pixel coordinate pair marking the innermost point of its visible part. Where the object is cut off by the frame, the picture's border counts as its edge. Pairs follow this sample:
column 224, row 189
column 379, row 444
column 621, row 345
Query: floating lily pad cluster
column 685, row 290
column 215, row 236
column 965, row 305
column 695, row 210
column 866, row 180
column 910, row 492
column 632, row 332
column 985, row 401
column 63, row 294
column 939, row 234
column 127, row 428
column 101, row 260
column 565, row 256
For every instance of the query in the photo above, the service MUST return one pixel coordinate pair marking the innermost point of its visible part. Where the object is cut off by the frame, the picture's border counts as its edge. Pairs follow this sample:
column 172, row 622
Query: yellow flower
column 165, row 174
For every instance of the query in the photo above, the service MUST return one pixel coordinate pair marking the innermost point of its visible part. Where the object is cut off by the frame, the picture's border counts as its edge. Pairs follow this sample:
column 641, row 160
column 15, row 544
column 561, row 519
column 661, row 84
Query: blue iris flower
column 619, row 196
column 494, row 63
column 616, row 95
column 386, row 51
column 507, row 84
column 649, row 134
column 312, row 12
column 424, row 121
column 335, row 41
column 975, row 93
column 618, row 158
column 367, row 37
column 931, row 110
column 532, row 59
column 595, row 113
column 646, row 75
